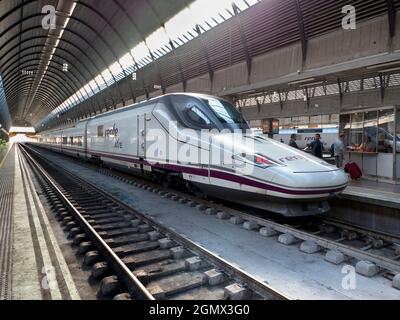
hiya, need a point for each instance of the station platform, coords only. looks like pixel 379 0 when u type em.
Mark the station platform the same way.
pixel 371 192
pixel 32 264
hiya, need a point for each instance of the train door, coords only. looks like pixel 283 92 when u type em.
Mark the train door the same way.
pixel 141 134
pixel 85 138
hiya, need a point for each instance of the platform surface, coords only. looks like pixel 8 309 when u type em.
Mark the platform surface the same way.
pixel 378 193
pixel 6 222
pixel 32 265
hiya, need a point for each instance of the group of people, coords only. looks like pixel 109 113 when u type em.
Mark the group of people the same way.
pixel 317 147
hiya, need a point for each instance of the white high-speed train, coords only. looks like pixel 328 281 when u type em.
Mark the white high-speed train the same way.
pixel 262 173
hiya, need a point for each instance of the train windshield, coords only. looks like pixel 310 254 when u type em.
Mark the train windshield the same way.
pixel 226 113
pixel 199 113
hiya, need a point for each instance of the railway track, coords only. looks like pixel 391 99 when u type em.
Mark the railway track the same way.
pixel 133 256
pixel 372 253
pixel 329 233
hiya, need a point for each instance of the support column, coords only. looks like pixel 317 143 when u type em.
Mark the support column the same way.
pixel 395 140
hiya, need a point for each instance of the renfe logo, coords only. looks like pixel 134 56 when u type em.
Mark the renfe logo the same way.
pixel 292 158
pixel 112 132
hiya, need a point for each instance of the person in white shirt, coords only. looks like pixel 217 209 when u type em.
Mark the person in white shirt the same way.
pixel 339 150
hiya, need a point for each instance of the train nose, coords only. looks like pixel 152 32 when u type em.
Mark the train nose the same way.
pixel 331 180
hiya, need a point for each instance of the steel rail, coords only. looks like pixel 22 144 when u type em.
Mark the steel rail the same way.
pixel 253 283
pixel 136 288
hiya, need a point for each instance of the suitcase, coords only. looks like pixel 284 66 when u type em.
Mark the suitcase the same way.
pixel 353 170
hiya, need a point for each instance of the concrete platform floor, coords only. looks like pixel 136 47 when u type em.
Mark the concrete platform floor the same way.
pixel 299 275
pixel 36 260
pixel 380 193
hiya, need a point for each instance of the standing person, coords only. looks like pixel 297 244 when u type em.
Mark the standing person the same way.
pixel 338 149
pixel 292 141
pixel 317 146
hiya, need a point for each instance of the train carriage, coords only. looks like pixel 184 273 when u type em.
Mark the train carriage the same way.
pixel 252 170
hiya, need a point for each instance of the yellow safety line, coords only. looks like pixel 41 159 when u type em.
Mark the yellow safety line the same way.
pixel 5 157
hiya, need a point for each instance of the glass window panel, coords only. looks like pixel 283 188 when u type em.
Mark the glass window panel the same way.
pixel 345 127
pixel 94 86
pixel 394 80
pixel 325 120
pixel 386 131
pixel 371 83
pixel 99 80
pixel 217 18
pixel 116 69
pixel 300 122
pixel 75 99
pixel 79 95
pixel 241 4
pixel 398 134
pixel 180 23
pixel 370 131
pixel 87 89
pixel 108 78
pixel 261 100
pixel 330 121
pixel 319 91
pixel 275 97
pixel 157 39
pixel 355 85
pixel 211 22
pixel 332 89
pixel 291 95
pixel 140 52
pixel 315 121
pixel 127 61
pixel 285 123
pixel 250 102
pixel 356 130
pixel 204 9
pixel 299 94
pixel 226 14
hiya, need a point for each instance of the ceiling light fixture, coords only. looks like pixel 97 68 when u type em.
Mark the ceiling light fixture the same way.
pixel 388 64
pixel 301 81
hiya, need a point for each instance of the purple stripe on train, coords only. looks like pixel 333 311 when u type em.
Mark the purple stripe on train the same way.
pixel 224 176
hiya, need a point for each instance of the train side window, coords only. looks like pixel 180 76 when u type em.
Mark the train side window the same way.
pixel 78 141
pixel 64 140
pixel 100 131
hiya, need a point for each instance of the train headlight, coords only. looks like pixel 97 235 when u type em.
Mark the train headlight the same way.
pixel 256 159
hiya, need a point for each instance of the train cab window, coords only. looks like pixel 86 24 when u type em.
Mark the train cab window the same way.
pixel 192 113
pixel 196 115
pixel 226 113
